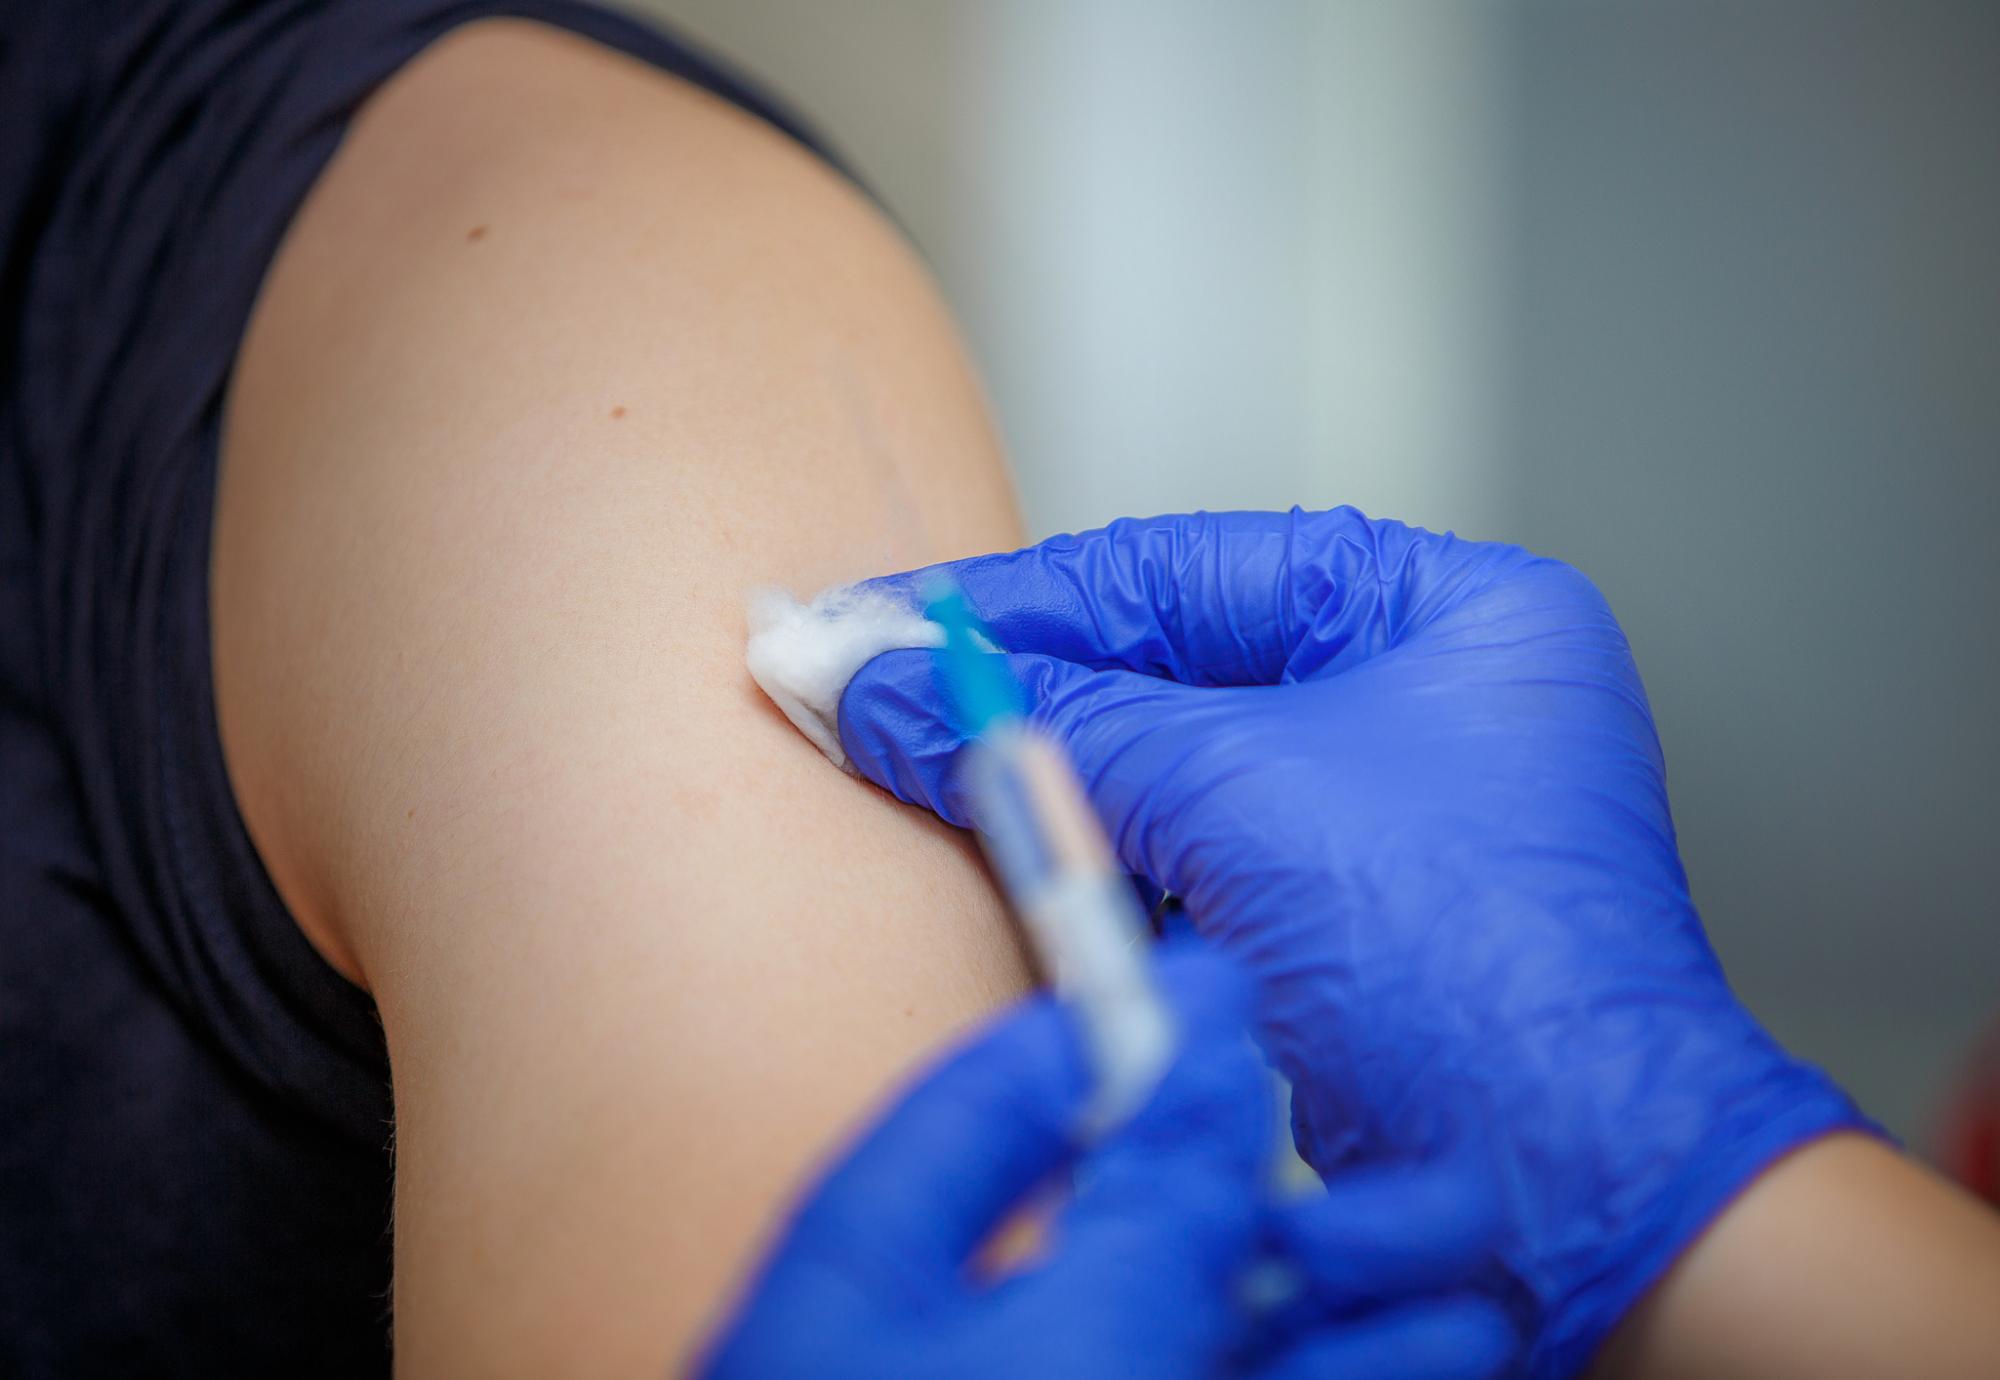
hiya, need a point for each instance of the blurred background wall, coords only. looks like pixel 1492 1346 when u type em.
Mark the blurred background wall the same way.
pixel 1701 296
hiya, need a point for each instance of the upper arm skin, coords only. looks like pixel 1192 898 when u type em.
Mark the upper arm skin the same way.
pixel 559 358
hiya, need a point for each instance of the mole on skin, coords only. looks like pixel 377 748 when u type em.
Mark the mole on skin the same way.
pixel 477 232
pixel 617 412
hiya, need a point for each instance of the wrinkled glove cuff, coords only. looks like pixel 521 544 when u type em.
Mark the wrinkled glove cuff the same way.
pixel 1802 1105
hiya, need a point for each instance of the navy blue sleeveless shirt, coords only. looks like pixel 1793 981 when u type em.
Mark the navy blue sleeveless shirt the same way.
pixel 194 1108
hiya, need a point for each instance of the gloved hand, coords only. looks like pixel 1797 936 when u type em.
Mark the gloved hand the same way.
pixel 871 1278
pixel 1413 782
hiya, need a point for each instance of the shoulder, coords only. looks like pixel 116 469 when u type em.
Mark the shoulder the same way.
pixel 560 355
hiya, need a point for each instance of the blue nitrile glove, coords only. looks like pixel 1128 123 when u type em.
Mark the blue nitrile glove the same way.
pixel 1142 1275
pixel 1414 784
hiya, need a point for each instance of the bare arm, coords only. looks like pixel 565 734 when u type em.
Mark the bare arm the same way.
pixel 1845 1262
pixel 560 357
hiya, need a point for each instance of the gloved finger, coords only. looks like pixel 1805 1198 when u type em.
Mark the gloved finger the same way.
pixel 899 729
pixel 1128 735
pixel 1216 598
pixel 1168 1207
pixel 1461 1338
pixel 940 1169
pixel 1394 1231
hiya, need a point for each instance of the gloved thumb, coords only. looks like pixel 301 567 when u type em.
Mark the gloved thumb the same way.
pixel 1124 731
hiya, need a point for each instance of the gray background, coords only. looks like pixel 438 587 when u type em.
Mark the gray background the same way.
pixel 1701 296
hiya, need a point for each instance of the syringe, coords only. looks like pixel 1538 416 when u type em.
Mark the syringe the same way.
pixel 1080 911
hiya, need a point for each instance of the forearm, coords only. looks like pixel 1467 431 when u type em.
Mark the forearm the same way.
pixel 1846 1261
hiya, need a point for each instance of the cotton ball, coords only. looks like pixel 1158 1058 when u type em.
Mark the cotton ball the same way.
pixel 803 655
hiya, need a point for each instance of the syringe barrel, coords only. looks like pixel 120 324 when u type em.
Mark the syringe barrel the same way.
pixel 1081 913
